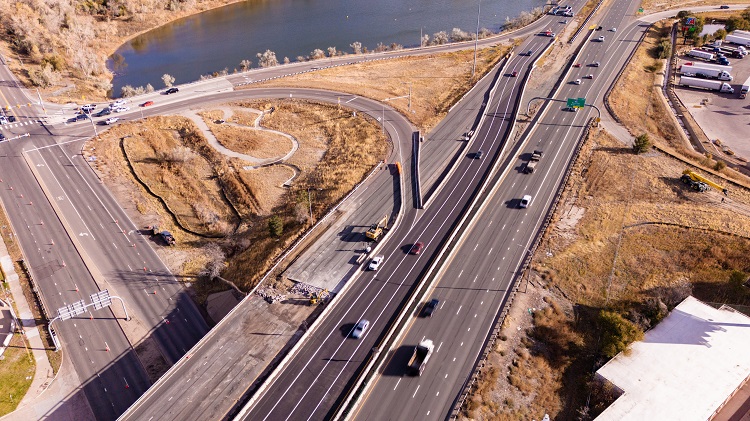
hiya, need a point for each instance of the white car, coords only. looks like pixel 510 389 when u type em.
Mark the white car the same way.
pixel 577 81
pixel 360 328
pixel 375 263
pixel 121 109
pixel 613 30
pixel 88 107
pixel 600 39
pixel 112 120
pixel 117 104
pixel 525 201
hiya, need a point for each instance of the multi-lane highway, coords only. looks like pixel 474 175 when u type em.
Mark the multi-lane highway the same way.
pixel 479 277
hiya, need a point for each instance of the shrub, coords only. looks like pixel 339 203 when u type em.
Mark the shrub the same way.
pixel 617 333
pixel 641 144
pixel 275 226
pixel 719 165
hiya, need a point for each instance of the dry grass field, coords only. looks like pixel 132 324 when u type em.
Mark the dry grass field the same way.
pixel 628 237
pixel 436 81
pixel 247 140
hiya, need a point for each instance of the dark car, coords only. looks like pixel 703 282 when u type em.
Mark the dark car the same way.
pixel 103 112
pixel 430 307
pixel 82 116
pixel 416 248
pixel 514 74
pixel 11 118
pixel 724 6
pixel 2 137
pixel 478 154
pixel 171 91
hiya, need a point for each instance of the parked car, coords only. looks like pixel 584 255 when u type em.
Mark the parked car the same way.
pixel 112 120
pixel 430 307
pixel 147 104
pixel 416 248
pixel 375 263
pixel 360 328
pixel 525 201
pixel 171 91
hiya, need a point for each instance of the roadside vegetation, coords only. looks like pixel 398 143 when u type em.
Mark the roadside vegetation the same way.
pixel 230 220
pixel 627 243
pixel 16 373
pixel 436 82
pixel 651 6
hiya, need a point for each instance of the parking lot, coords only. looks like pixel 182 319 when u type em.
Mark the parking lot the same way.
pixel 722 116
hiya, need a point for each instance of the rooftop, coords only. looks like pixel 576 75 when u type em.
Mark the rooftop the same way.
pixel 685 368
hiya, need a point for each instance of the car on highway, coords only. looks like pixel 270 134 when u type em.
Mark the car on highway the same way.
pixel 600 39
pixel 612 29
pixel 478 154
pixel 82 117
pixel 530 52
pixel 589 76
pixel 723 6
pixel 599 28
pixel 595 64
pixel 2 137
pixel 11 118
pixel 171 91
pixel 572 109
pixel 430 307
pixel 564 21
pixel 112 120
pixel 376 262
pixel 359 328
pixel 3 119
pixel 577 82
pixel 103 112
pixel 147 104
pixel 416 248
pixel 514 74
pixel 121 109
pixel 88 108
pixel 525 201
pixel 577 65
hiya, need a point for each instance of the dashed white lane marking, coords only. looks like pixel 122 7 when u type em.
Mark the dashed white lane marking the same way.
pixel 459 275
pixel 415 391
pixel 489 252
pixel 459 309
pixel 441 344
pixel 399 381
pixel 475 279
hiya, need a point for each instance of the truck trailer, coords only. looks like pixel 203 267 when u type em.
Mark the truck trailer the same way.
pixel 739 40
pixel 698 70
pixel 745 88
pixel 714 85
pixel 705 55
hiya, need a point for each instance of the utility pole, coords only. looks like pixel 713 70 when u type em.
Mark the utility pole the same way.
pixel 476 40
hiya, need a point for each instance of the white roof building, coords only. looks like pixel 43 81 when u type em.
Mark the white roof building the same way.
pixel 685 368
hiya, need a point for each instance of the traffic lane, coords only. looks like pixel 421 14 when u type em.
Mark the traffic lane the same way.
pixel 465 181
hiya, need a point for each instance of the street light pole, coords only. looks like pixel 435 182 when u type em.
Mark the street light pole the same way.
pixel 309 202
pixel 476 39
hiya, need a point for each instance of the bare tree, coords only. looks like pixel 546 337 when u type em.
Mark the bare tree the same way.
pixel 168 80
pixel 440 38
pixel 425 40
pixel 484 33
pixel 317 54
pixel 458 35
pixel 356 47
pixel 267 59
pixel 301 58
pixel 127 91
pixel 286 60
pixel 380 48
pixel 245 64
pixel 395 46
pixel 216 261
pixel 149 88
pixel 331 51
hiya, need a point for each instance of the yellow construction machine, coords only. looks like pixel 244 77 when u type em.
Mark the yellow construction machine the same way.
pixel 699 183
pixel 376 230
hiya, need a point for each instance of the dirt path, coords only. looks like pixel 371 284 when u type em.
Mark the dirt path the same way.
pixel 258 162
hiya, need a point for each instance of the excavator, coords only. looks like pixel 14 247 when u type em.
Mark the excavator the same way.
pixel 376 230
pixel 699 183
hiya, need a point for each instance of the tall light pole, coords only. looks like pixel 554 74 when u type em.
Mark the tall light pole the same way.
pixel 476 40
pixel 408 83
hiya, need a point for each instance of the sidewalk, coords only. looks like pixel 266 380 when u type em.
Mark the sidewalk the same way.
pixel 43 375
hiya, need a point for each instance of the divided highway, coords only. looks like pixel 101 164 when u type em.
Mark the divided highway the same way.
pixel 476 282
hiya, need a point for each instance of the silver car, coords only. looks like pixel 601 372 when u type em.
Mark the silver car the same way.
pixel 360 328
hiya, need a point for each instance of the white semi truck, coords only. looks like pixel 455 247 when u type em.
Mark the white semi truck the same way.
pixel 705 55
pixel 739 40
pixel 745 88
pixel 705 72
pixel 714 85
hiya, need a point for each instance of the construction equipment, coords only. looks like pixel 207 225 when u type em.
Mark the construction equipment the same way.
pixel 376 230
pixel 165 235
pixel 318 297
pixel 699 183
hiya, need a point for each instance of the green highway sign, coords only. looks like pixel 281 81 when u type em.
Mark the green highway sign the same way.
pixel 576 102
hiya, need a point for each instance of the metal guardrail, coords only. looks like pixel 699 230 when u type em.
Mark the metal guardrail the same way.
pixel 583 24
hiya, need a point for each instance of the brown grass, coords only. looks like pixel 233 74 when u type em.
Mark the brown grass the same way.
pixel 550 368
pixel 437 81
pixel 267 183
pixel 16 373
pixel 184 179
pixel 247 140
pixel 658 5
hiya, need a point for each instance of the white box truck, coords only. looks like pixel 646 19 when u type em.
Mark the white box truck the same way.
pixel 705 55
pixel 740 33
pixel 708 66
pixel 696 70
pixel 736 39
pixel 745 87
pixel 714 85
